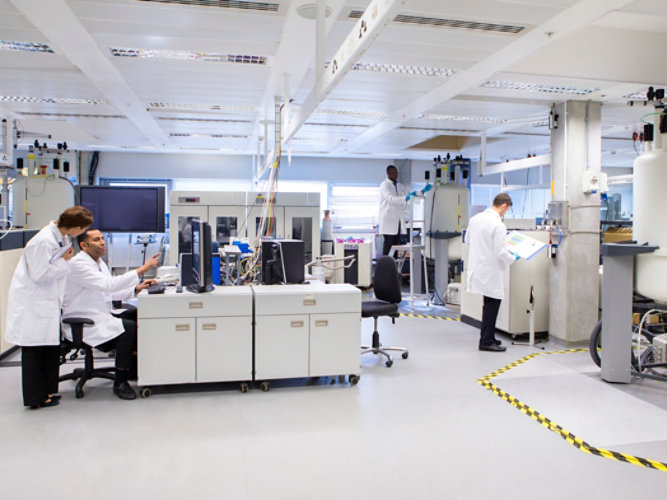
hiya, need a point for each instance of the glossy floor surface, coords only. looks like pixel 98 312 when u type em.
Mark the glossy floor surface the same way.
pixel 424 428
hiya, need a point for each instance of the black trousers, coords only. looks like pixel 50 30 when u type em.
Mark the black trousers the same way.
pixel 126 343
pixel 40 368
pixel 489 316
pixel 389 240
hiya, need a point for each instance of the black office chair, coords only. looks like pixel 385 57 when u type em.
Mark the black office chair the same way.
pixel 88 371
pixel 387 288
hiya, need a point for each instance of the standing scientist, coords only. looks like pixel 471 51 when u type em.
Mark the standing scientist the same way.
pixel 393 200
pixel 33 306
pixel 488 264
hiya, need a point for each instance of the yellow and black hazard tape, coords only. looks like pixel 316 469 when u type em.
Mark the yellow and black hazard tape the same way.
pixel 552 426
pixel 410 315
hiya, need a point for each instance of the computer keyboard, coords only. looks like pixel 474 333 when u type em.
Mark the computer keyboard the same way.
pixel 159 288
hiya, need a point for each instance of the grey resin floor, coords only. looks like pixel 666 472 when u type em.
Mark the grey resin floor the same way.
pixel 423 429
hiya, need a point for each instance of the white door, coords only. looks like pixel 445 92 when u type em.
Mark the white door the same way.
pixel 335 344
pixel 281 346
pixel 224 349
pixel 166 351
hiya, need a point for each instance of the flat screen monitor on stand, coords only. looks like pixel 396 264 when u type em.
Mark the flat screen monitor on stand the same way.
pixel 283 261
pixel 201 258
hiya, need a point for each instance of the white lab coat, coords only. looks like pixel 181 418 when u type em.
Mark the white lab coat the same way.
pixel 489 258
pixel 36 291
pixel 392 206
pixel 89 291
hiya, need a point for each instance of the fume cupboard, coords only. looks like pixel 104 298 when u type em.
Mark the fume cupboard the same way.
pixel 236 214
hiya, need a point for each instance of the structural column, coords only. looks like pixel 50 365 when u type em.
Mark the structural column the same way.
pixel 576 144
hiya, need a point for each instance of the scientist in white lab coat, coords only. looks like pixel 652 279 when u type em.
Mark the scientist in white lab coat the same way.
pixel 33 305
pixel 89 291
pixel 488 264
pixel 393 200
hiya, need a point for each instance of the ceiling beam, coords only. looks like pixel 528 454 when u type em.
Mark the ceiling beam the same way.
pixel 572 19
pixel 375 18
pixel 291 62
pixel 58 23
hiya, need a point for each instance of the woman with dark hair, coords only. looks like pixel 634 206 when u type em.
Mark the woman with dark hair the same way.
pixel 33 306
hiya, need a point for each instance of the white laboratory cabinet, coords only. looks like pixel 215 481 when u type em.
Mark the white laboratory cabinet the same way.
pixel 188 337
pixel 236 214
pixel 306 330
pixel 522 274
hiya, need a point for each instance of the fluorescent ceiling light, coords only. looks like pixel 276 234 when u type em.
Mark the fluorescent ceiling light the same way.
pixel 319 139
pixel 69 115
pixel 369 114
pixel 185 55
pixel 204 149
pixel 191 119
pixel 201 107
pixel 403 69
pixel 208 136
pixel 461 118
pixel 50 100
pixel 537 87
pixel 25 46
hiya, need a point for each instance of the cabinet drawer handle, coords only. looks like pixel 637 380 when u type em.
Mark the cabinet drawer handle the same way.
pixel 182 327
pixel 296 324
pixel 209 326
pixel 196 305
pixel 322 322
pixel 309 302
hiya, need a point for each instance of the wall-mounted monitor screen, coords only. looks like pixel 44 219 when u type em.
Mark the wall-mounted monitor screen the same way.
pixel 125 209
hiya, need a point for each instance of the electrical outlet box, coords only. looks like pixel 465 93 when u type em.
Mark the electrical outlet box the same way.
pixel 660 348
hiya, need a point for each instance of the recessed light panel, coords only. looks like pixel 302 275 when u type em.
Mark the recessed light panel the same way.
pixel 186 55
pixel 25 46
pixel 537 87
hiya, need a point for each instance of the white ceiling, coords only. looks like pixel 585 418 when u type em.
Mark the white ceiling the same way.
pixel 613 48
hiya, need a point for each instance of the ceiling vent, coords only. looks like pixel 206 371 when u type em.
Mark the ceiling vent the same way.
pixel 225 4
pixel 538 87
pixel 25 46
pixel 362 114
pixel 343 125
pixel 462 118
pixel 185 55
pixel 449 23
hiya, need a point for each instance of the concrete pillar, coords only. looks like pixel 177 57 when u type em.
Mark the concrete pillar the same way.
pixel 576 146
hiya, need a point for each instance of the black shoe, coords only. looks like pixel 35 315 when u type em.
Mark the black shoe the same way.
pixel 492 347
pixel 45 404
pixel 55 397
pixel 497 342
pixel 124 391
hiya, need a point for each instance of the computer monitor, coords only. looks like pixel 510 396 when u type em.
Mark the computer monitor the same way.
pixel 283 261
pixel 120 209
pixel 201 257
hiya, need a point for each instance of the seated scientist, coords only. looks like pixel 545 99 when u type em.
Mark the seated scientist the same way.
pixel 89 290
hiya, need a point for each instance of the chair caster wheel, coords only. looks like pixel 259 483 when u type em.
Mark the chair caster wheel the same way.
pixel 353 379
pixel 244 388
pixel 265 386
pixel 78 394
pixel 389 363
pixel 404 355
pixel 145 392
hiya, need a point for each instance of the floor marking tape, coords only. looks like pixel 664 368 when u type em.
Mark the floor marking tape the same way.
pixel 552 426
pixel 410 315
